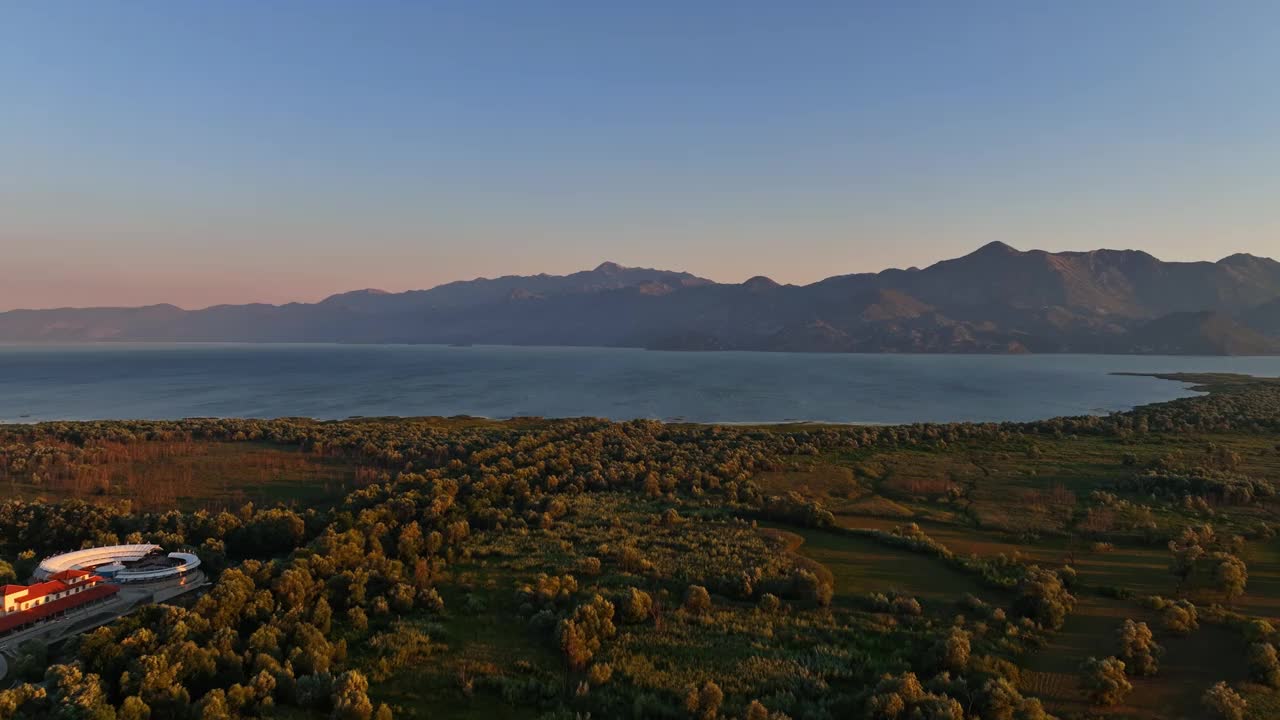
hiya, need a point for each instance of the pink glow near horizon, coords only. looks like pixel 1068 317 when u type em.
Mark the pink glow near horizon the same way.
pixel 48 283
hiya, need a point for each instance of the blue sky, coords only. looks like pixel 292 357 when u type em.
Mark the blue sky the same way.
pixel 198 153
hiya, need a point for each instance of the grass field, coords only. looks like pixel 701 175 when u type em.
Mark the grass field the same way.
pixel 860 566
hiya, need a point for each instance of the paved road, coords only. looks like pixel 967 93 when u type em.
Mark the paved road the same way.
pixel 53 630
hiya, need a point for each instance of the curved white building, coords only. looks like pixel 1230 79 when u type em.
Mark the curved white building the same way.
pixel 121 563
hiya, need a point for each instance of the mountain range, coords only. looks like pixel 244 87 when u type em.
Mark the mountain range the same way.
pixel 996 300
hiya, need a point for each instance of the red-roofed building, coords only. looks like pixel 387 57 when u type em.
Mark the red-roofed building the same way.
pixel 63 590
pixel 19 620
pixel 71 577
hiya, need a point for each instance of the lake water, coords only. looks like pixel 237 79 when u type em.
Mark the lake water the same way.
pixel 76 382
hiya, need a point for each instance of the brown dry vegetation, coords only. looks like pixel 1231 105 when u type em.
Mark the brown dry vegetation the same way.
pixel 186 474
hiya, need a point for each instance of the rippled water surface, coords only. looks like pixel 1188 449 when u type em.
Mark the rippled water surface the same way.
pixel 53 382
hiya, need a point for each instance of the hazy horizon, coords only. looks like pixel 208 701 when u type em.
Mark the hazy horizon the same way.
pixel 588 267
pixel 248 152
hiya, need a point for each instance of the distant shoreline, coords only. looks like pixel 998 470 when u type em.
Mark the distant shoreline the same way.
pixel 105 343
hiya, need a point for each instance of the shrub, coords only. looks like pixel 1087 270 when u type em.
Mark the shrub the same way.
pixel 697 599
pixel 906 605
pixel 429 599
pixel 1180 617
pixel 1070 579
pixel 757 711
pixel 879 602
pixel 1223 703
pixel 812 589
pixel 599 674
pixel 404 645
pixel 1138 648
pixel 795 508
pixel 1264 667
pixel 637 606
pixel 893 695
pixel 938 707
pixel 1104 681
pixel 589 566
pixel 548 591
pixel 1221 486
pixel 350 697
pixel 133 708
pixel 1229 575
pixel 975 604
pixel 704 702
pixel 999 699
pixel 740 586
pixel 401 597
pixel 1043 598
pixel 581 635
pixel 631 560
pixel 903 697
pixel 951 652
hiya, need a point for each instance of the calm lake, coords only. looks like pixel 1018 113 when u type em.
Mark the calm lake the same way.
pixel 96 381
